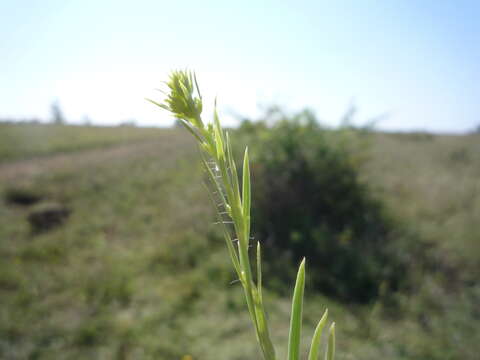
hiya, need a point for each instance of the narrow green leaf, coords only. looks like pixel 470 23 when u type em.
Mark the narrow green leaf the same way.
pixel 296 316
pixel 216 183
pixel 236 211
pixel 191 129
pixel 246 196
pixel 228 239
pixel 234 175
pixel 231 251
pixel 186 93
pixel 330 353
pixel 216 121
pixel 158 104
pixel 248 290
pixel 236 184
pixel 317 336
pixel 196 85
pixel 262 326
pixel 219 143
pixel 259 272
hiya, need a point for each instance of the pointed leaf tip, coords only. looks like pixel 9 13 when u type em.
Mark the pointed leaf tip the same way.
pixel 296 316
pixel 317 336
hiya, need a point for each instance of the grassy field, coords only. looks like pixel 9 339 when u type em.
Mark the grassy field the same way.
pixel 18 141
pixel 138 270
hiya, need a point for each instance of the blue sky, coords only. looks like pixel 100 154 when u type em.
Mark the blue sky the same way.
pixel 417 61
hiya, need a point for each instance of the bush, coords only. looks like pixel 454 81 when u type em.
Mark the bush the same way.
pixel 309 201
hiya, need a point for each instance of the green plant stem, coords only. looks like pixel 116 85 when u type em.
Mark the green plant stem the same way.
pixel 185 103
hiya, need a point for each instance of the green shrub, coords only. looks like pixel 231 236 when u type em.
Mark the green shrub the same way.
pixel 309 201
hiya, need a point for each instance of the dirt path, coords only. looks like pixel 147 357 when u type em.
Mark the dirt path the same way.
pixel 25 169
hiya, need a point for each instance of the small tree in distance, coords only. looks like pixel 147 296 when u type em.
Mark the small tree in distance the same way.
pixel 57 114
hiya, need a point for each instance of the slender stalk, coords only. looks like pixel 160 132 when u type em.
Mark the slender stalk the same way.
pixel 184 102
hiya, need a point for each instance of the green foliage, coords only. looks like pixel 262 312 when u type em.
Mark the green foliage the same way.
pixel 310 201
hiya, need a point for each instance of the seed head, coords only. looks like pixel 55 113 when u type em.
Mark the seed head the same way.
pixel 184 100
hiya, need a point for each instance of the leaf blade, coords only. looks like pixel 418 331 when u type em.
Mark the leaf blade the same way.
pixel 330 353
pixel 296 315
pixel 259 272
pixel 246 192
pixel 317 336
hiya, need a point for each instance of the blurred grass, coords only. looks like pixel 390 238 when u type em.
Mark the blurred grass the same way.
pixel 432 182
pixel 139 272
pixel 19 140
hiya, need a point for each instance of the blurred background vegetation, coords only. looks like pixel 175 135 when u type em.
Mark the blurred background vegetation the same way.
pixel 109 249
